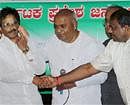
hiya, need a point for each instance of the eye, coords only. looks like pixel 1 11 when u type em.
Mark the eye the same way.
pixel 5 25
pixel 15 22
pixel 62 26
pixel 9 24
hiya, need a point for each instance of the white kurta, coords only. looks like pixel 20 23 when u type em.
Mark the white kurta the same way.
pixel 117 55
pixel 16 73
pixel 68 56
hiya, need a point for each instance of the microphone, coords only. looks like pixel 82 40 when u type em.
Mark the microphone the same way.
pixel 62 72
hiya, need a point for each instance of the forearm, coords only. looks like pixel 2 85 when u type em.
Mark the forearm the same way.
pixel 81 72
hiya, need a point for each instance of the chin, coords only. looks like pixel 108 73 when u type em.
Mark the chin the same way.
pixel 115 40
pixel 11 36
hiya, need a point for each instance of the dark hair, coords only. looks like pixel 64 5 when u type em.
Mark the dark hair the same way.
pixel 112 8
pixel 115 7
pixel 122 16
pixel 9 11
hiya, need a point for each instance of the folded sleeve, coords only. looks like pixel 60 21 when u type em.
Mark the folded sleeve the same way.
pixel 103 62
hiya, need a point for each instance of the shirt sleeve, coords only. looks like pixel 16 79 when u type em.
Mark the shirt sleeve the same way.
pixel 103 62
pixel 93 80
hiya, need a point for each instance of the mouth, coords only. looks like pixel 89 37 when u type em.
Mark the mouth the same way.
pixel 113 37
pixel 59 35
pixel 12 34
pixel 15 32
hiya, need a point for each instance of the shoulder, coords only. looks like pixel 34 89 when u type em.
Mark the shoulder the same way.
pixel 36 43
pixel 90 41
pixel 51 42
pixel 88 38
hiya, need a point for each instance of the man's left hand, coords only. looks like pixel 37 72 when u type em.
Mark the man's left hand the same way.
pixel 66 86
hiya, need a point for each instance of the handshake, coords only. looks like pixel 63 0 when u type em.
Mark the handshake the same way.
pixel 51 82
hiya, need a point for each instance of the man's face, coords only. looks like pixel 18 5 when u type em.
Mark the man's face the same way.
pixel 107 21
pixel 10 26
pixel 64 28
pixel 118 33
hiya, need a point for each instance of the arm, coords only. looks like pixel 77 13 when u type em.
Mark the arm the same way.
pixel 96 79
pixel 81 72
pixel 103 62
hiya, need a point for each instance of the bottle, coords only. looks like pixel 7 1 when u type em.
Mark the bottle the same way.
pixel 48 69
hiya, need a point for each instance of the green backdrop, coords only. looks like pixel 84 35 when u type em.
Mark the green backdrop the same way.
pixel 37 17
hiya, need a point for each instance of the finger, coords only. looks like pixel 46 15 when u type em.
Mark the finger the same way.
pixel 23 32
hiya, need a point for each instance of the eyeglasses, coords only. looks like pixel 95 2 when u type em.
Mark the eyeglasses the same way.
pixel 10 24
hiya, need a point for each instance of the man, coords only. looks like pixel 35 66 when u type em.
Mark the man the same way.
pixel 116 55
pixel 110 90
pixel 66 50
pixel 19 62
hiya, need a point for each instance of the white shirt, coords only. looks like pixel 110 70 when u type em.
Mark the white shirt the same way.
pixel 16 74
pixel 68 56
pixel 117 55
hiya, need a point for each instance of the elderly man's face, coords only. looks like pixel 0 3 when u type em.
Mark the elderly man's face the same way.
pixel 10 26
pixel 64 28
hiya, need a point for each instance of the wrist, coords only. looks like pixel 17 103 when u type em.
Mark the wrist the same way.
pixel 58 80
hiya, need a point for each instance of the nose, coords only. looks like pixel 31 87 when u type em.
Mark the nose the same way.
pixel 12 27
pixel 58 30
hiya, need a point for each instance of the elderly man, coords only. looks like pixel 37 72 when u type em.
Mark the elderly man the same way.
pixel 68 49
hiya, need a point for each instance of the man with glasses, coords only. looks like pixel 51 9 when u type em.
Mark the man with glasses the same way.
pixel 19 62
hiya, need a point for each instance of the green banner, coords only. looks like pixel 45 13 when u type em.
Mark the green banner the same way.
pixel 37 17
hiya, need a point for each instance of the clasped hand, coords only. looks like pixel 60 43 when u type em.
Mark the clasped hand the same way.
pixel 44 81
pixel 50 82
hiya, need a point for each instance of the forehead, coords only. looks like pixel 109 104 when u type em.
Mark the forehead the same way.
pixel 62 19
pixel 114 22
pixel 8 18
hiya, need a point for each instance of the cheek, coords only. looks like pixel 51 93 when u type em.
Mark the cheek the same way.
pixel 4 31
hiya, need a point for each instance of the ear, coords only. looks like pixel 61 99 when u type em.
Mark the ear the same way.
pixel 75 24
pixel 126 28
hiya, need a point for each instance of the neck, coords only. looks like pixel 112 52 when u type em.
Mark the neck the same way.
pixel 15 39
